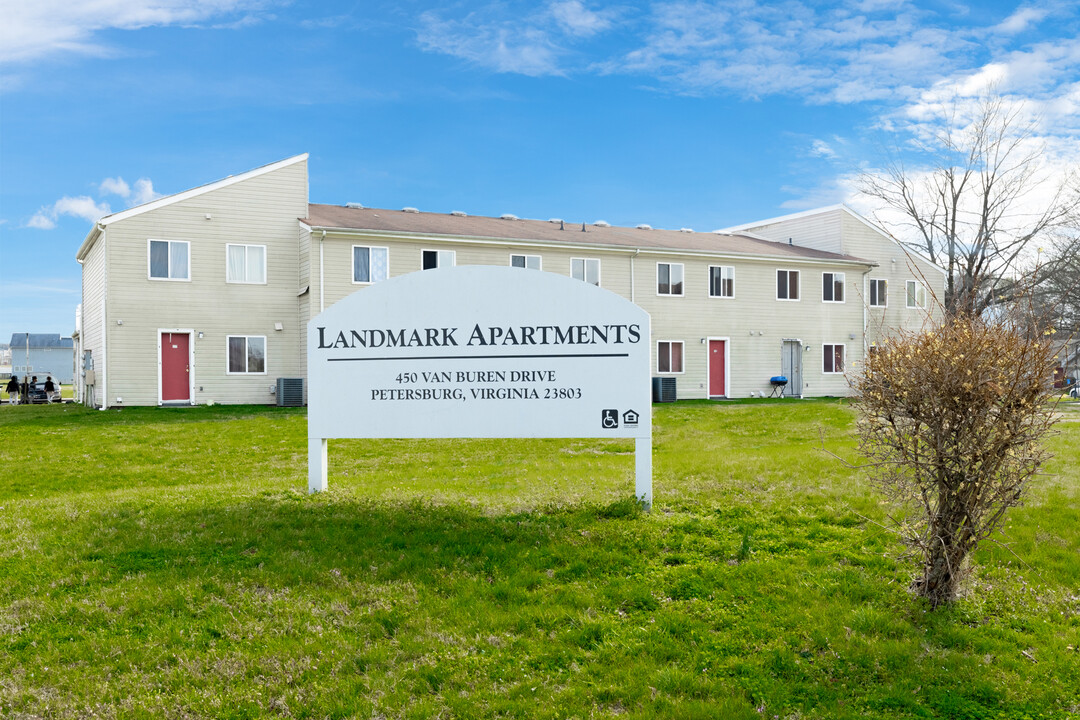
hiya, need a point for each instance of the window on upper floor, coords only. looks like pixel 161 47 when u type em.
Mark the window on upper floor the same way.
pixel 669 278
pixel 721 281
pixel 879 292
pixel 245 264
pixel 168 259
pixel 531 262
pixel 438 258
pixel 247 354
pixel 832 359
pixel 370 264
pixel 669 356
pixel 787 284
pixel 832 287
pixel 587 269
pixel 916 294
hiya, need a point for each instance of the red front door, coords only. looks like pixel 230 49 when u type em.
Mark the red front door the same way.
pixel 175 368
pixel 717 368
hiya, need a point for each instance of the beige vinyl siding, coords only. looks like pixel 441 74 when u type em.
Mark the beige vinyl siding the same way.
pixel 93 294
pixel 754 322
pixel 897 267
pixel 262 210
pixel 405 256
pixel 821 231
pixel 838 230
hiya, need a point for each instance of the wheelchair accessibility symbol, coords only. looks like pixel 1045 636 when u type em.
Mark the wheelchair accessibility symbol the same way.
pixel 609 419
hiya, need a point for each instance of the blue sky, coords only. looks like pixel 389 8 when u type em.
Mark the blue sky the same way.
pixel 682 114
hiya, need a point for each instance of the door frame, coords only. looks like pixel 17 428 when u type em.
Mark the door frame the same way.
pixel 191 363
pixel 727 367
pixel 802 365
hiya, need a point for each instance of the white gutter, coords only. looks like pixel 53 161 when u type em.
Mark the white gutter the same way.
pixel 104 325
pixel 865 311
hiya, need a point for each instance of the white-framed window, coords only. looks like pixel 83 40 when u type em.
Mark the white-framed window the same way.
pixel 531 262
pixel 669 356
pixel 832 359
pixel 669 278
pixel 832 287
pixel 168 260
pixel 916 294
pixel 438 258
pixel 721 281
pixel 587 269
pixel 370 264
pixel 787 284
pixel 245 264
pixel 246 354
pixel 879 292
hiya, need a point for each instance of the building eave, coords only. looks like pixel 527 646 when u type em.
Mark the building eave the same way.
pixel 88 242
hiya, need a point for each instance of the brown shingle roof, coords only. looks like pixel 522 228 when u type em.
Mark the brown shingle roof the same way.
pixel 336 217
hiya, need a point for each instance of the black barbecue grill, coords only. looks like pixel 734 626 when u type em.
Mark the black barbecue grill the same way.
pixel 778 382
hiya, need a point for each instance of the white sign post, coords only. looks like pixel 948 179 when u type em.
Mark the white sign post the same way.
pixel 480 352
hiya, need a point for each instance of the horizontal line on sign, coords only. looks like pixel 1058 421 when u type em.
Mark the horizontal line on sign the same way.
pixel 480 357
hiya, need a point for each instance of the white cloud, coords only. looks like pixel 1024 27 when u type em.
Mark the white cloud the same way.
pixel 829 191
pixel 141 192
pixel 494 44
pixel 81 207
pixel 34 30
pixel 1022 19
pixel 512 38
pixel 42 220
pixel 848 51
pixel 576 19
pixel 826 54
pixel 820 148
pixel 114 186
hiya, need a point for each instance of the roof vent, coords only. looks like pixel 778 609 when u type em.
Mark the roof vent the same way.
pixel 409 210
pixel 509 216
pixel 688 230
pixel 459 213
pixel 602 223
pixel 354 206
pixel 554 220
pixel 644 226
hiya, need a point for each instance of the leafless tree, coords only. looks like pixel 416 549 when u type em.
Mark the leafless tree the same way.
pixel 974 209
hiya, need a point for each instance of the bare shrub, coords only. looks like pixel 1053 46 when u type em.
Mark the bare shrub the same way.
pixel 953 420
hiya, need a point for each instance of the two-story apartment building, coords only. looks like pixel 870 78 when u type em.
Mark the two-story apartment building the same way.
pixel 204 296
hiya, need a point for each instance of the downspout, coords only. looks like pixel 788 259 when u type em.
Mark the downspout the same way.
pixel 866 311
pixel 322 296
pixel 104 325
pixel 638 252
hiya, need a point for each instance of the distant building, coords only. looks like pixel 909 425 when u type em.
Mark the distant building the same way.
pixel 43 354
pixel 204 296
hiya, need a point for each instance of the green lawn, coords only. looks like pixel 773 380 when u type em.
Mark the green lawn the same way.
pixel 169 564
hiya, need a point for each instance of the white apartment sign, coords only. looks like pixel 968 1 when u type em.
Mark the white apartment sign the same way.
pixel 481 352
